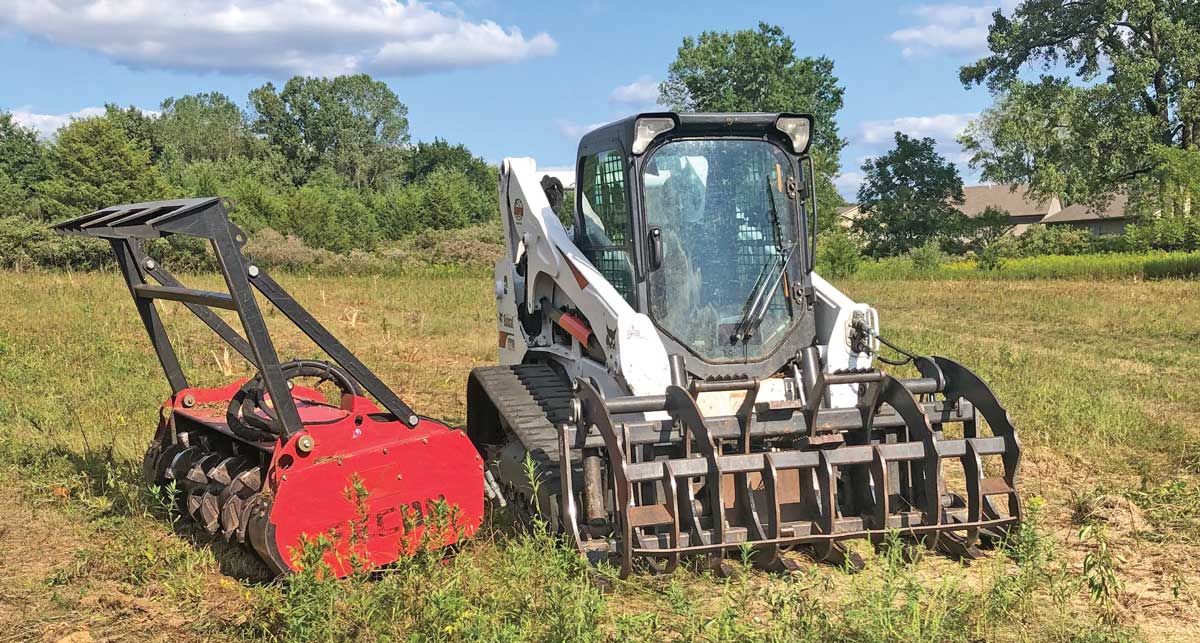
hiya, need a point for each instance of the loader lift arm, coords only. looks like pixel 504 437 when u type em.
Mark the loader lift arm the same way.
pixel 125 227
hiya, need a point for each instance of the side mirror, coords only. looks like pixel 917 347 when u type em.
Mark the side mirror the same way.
pixel 655 248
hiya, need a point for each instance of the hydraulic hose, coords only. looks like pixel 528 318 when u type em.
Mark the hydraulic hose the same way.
pixel 251 418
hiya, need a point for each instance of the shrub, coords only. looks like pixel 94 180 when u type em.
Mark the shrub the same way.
pixel 991 256
pixel 1173 233
pixel 926 257
pixel 328 215
pixel 837 255
pixel 25 244
pixel 273 250
pixel 1054 240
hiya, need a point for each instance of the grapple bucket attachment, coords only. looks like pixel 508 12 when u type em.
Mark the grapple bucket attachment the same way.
pixel 271 463
pixel 910 459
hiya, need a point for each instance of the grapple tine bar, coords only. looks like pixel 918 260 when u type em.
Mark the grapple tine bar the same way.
pixel 961 383
pixel 928 484
pixel 670 497
pixel 682 407
pixel 596 412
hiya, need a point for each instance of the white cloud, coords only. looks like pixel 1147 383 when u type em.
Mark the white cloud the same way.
pixel 277 37
pixel 847 184
pixel 641 92
pixel 952 27
pixel 873 138
pixel 47 124
pixel 574 131
pixel 943 127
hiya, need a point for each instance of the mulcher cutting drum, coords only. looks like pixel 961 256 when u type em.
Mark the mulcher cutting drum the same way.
pixel 376 489
pixel 266 461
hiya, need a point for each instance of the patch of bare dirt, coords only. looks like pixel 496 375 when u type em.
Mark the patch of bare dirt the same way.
pixel 39 543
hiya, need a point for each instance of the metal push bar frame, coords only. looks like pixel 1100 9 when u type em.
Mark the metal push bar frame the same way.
pixel 125 227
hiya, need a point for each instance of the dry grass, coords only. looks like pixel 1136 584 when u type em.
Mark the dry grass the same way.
pixel 1100 378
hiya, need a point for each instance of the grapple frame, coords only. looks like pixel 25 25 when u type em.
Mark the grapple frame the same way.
pixel 863 472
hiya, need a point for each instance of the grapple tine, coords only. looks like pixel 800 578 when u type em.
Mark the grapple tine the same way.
pixel 671 498
pixel 595 413
pixel 961 383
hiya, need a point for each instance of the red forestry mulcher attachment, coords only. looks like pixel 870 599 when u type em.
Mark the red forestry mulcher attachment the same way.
pixel 267 461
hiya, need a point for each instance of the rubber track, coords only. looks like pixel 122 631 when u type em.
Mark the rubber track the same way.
pixel 533 399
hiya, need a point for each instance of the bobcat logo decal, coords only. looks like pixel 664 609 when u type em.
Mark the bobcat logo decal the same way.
pixel 610 339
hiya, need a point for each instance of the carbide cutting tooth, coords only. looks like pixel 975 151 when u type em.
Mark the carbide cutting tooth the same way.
pixel 223 472
pixel 196 475
pixel 160 467
pixel 246 483
pixel 248 508
pixel 193 502
pixel 208 512
pixel 177 467
pixel 231 516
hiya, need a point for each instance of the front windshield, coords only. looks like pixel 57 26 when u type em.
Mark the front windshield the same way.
pixel 725 219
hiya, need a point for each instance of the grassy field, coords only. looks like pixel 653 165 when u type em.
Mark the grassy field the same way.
pixel 1100 377
pixel 1149 265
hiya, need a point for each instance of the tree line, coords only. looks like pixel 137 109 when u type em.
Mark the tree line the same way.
pixel 328 160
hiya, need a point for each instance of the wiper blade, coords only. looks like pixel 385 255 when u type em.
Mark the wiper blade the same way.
pixel 760 297
pixel 768 279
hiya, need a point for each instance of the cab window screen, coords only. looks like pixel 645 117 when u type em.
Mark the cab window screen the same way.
pixel 605 221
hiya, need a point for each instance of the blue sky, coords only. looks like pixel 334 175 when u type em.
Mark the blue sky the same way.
pixel 505 78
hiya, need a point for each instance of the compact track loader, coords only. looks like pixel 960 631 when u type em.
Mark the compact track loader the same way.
pixel 269 462
pixel 683 383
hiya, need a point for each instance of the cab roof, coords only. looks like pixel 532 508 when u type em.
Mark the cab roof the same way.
pixel 686 124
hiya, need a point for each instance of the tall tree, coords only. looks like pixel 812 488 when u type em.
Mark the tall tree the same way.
pixel 428 157
pixel 353 124
pixel 907 198
pixel 202 127
pixel 94 165
pixel 759 71
pixel 22 156
pixel 137 126
pixel 1135 66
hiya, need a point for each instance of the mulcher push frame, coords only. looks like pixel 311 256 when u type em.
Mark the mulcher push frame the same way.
pixel 125 227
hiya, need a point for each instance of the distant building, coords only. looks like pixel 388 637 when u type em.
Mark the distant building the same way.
pixel 1024 211
pixel 566 175
pixel 1109 220
pixel 847 214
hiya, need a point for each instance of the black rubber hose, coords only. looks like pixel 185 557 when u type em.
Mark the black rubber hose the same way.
pixel 243 416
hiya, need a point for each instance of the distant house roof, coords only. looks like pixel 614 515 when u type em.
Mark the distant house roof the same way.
pixel 1010 198
pixel 1079 212
pixel 847 214
pixel 566 175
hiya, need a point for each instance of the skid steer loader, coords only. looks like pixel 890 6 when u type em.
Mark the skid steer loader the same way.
pixel 682 383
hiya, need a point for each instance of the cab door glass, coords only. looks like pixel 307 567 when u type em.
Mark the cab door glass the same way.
pixel 605 221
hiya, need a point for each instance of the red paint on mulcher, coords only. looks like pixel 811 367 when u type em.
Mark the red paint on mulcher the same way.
pixel 422 484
